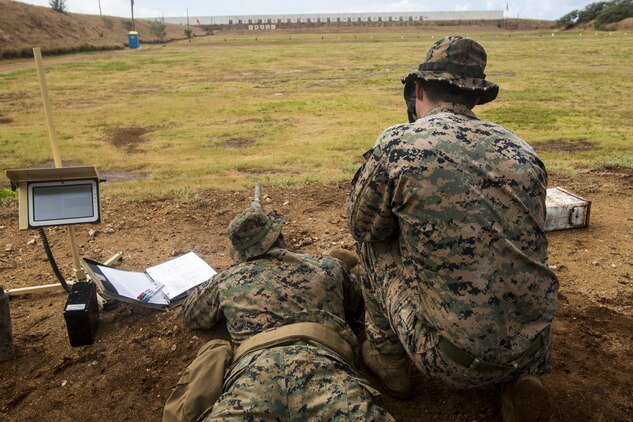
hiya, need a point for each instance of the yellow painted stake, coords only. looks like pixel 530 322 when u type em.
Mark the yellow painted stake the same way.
pixel 80 275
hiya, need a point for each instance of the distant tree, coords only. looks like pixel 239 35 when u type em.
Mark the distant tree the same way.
pixel 58 5
pixel 601 13
pixel 188 33
pixel 158 28
pixel 568 21
pixel 616 12
pixel 591 11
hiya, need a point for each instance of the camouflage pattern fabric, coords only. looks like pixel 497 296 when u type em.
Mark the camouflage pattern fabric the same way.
pixel 459 61
pixel 449 214
pixel 295 382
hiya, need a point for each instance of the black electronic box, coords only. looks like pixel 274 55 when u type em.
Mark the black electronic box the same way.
pixel 81 313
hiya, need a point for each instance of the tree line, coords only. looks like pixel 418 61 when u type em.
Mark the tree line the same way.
pixel 603 14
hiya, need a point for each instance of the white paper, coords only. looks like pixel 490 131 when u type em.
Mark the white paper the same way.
pixel 130 284
pixel 181 274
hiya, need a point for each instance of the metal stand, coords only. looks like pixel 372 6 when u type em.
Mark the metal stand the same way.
pixel 78 272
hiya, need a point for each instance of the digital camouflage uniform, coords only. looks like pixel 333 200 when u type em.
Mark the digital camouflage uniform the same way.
pixel 293 382
pixel 449 214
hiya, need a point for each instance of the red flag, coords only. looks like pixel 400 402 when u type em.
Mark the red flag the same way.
pixel 198 22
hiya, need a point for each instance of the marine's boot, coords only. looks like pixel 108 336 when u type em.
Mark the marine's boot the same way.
pixel 349 258
pixel 525 400
pixel 392 371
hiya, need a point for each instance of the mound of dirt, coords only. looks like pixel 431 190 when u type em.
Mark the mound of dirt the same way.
pixel 23 26
pixel 625 25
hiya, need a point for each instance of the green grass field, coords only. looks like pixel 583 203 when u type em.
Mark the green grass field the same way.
pixel 288 110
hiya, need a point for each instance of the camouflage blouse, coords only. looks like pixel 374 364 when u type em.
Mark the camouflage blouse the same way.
pixel 278 288
pixel 464 201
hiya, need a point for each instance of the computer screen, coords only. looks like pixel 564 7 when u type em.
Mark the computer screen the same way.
pixel 63 202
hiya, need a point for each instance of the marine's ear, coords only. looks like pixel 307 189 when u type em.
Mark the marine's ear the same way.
pixel 419 92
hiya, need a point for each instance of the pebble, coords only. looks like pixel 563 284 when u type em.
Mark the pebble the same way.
pixel 64 382
pixel 595 263
pixel 8 248
pixel 31 242
pixel 285 203
pixel 173 348
pixel 92 233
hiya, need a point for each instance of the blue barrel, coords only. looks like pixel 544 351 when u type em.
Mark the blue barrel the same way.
pixel 132 37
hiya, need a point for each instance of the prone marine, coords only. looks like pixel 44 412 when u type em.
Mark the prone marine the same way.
pixel 294 357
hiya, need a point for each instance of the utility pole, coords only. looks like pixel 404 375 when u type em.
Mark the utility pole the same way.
pixel 187 19
pixel 100 14
pixel 133 26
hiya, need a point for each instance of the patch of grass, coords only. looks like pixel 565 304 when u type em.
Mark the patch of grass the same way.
pixel 303 110
pixel 7 194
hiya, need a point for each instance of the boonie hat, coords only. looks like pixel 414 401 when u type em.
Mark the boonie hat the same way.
pixel 252 233
pixel 459 61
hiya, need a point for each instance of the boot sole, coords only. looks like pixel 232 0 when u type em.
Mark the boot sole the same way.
pixel 395 394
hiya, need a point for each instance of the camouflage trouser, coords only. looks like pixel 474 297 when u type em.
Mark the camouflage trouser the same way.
pixel 394 325
pixel 296 382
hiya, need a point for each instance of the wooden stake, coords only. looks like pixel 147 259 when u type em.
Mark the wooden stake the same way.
pixel 57 156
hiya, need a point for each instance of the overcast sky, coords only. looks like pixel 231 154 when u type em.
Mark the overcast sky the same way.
pixel 535 9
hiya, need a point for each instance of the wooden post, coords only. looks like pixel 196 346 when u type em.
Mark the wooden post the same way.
pixel 57 157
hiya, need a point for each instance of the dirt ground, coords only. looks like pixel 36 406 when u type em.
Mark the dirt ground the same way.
pixel 138 354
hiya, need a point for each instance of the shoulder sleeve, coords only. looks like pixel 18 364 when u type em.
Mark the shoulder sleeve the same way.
pixel 369 205
pixel 201 310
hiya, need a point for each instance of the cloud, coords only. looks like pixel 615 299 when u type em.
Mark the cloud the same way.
pixel 537 9
pixel 462 7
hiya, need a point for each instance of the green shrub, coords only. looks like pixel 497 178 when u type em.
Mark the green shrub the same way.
pixel 6 193
pixel 158 28
pixel 58 5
